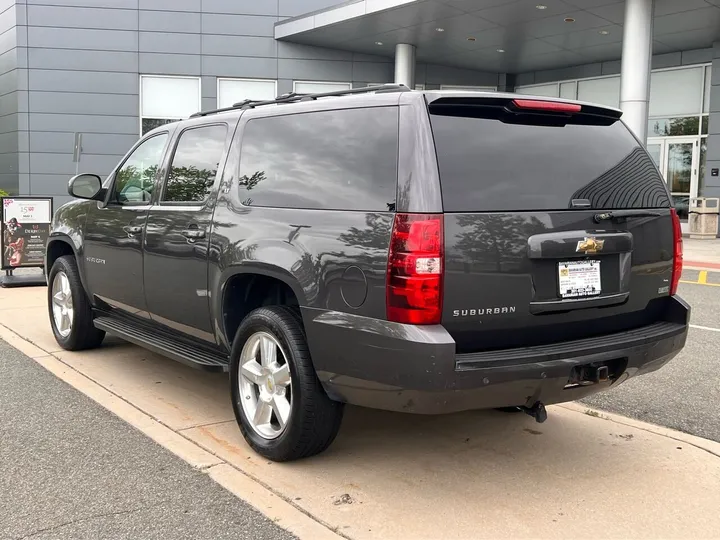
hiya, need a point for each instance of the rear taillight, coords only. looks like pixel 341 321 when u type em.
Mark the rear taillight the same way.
pixel 677 252
pixel 415 269
pixel 551 106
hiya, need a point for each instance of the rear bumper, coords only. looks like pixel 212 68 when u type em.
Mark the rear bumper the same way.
pixel 406 368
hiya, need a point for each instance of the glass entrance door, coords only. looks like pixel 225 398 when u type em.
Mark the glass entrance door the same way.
pixel 678 159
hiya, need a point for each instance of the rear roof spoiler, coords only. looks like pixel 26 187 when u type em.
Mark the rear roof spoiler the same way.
pixel 518 103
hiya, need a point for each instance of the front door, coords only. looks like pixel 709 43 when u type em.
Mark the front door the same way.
pixel 114 231
pixel 678 159
pixel 178 233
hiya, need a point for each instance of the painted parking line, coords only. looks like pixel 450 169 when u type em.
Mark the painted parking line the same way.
pixel 709 328
pixel 701 280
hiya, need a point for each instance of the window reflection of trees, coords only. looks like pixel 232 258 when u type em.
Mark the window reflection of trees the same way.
pixel 189 183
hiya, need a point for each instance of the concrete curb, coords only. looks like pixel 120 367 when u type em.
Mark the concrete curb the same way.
pixel 709 446
pixel 280 511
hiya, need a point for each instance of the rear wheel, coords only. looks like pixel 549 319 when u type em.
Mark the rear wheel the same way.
pixel 280 405
pixel 69 308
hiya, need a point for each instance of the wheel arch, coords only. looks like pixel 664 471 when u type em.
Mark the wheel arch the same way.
pixel 248 287
pixel 59 245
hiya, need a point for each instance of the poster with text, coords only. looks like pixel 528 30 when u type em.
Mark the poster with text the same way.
pixel 25 231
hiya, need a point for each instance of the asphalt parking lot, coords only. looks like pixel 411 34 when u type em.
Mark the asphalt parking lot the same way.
pixel 685 394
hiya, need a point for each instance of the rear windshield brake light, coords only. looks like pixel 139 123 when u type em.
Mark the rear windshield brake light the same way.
pixel 551 106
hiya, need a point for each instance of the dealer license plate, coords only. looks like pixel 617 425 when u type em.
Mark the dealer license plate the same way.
pixel 579 278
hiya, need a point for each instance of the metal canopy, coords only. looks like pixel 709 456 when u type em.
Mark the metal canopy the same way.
pixel 473 34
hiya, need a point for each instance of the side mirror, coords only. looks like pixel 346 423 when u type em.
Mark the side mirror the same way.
pixel 85 186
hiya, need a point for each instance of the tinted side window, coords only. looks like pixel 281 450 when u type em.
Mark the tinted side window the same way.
pixel 335 160
pixel 195 164
pixel 135 180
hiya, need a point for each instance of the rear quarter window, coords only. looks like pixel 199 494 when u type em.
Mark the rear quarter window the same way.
pixel 489 165
pixel 335 160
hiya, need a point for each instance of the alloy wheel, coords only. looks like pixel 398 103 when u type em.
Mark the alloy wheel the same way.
pixel 265 385
pixel 62 304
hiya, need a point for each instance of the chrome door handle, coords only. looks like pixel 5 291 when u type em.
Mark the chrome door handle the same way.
pixel 193 234
pixel 132 229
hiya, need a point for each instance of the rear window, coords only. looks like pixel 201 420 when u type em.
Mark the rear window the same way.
pixel 490 165
pixel 332 160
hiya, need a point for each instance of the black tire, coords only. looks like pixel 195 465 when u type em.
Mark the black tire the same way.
pixel 83 334
pixel 314 418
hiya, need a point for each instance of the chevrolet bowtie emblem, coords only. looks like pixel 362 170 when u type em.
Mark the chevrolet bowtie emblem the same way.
pixel 590 245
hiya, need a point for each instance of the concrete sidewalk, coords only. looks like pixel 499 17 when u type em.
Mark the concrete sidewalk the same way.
pixel 71 469
pixel 701 253
pixel 471 475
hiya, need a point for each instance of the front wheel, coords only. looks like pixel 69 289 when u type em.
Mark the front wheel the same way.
pixel 280 405
pixel 69 308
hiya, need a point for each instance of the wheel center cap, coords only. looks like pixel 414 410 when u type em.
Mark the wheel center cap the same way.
pixel 270 385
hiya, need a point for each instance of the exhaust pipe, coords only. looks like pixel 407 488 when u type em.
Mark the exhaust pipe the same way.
pixel 537 411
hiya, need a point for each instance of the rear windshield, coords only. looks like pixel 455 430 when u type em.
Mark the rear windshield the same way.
pixel 490 165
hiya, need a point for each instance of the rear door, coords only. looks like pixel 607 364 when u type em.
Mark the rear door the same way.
pixel 531 255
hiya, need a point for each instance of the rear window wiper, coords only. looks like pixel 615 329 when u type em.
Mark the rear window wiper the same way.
pixel 619 214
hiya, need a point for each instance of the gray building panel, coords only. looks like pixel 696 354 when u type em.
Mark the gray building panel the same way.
pixel 240 7
pixel 223 45
pixel 314 70
pixel 77 17
pixel 293 8
pixel 9 100
pixel 697 56
pixel 246 67
pixel 209 87
pixel 62 164
pixel 209 103
pixel 194 6
pixel 170 42
pixel 9 142
pixel 373 72
pixel 660 61
pixel 100 82
pixel 177 64
pixel 84 103
pixel 308 52
pixel 93 143
pixel 238 25
pixel 10 104
pixel 72 38
pixel 284 86
pixel 8 61
pixel 82 60
pixel 85 123
pixel 120 4
pixel 9 125
pixel 173 43
pixel 170 21
pixel 436 74
pixel 9 183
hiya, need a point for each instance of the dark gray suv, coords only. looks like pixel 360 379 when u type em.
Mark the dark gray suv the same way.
pixel 425 252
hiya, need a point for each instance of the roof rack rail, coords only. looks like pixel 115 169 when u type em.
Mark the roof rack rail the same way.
pixel 293 97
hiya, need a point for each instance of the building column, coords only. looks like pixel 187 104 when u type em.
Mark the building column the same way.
pixel 636 65
pixel 405 64
pixel 711 183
